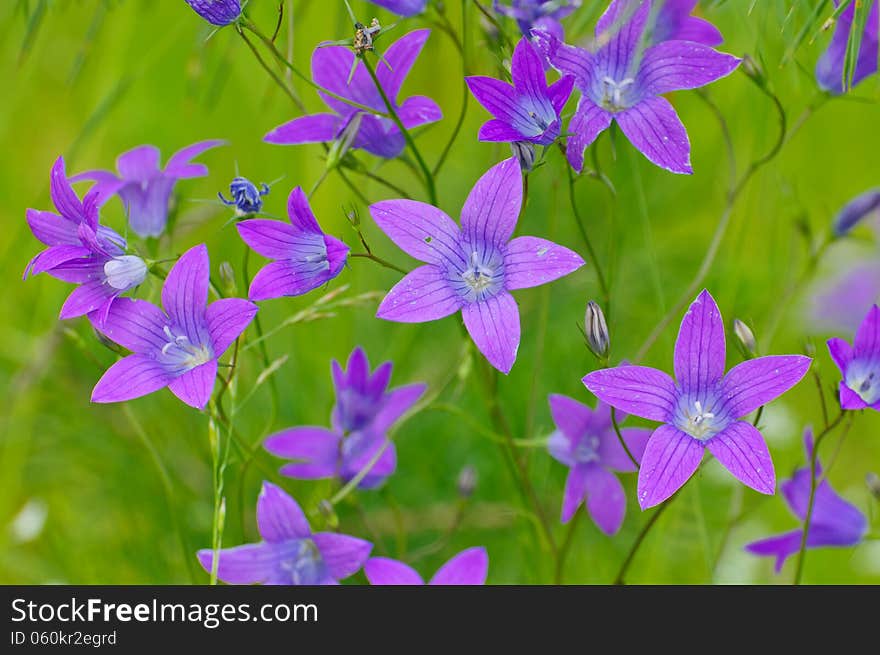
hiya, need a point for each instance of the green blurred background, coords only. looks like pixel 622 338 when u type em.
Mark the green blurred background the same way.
pixel 81 496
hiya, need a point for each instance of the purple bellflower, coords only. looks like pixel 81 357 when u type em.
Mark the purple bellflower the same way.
pixel 469 567
pixel 82 251
pixel 834 521
pixel 538 14
pixel 289 553
pixel 405 8
pixel 473 268
pixel 177 348
pixel 364 412
pixel 701 408
pixel 217 12
pixel 527 110
pixel 144 188
pixel 860 364
pixel 673 22
pixel 829 68
pixel 621 82
pixel 304 257
pixel 331 69
pixel 247 197
pixel 585 441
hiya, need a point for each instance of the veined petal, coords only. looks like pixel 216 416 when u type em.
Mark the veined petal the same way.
pixel 498 98
pixel 317 450
pixel 331 69
pixel 380 137
pixel 675 65
pixel 398 59
pixel 670 459
pixel 343 555
pixel 278 239
pixel 63 196
pixel 530 261
pixel 131 377
pixel 493 324
pixel 700 350
pixel 135 324
pixel 575 491
pixel 52 229
pixel 419 110
pixel 387 571
pixel 179 165
pixel 560 91
pixel 527 71
pixel 315 128
pixel 288 278
pixel 420 230
pixel 87 298
pixel 185 292
pixel 497 130
pixel 248 564
pixel 654 128
pixel 741 450
pixel 226 319
pixel 492 207
pixel 469 567
pixel 606 500
pixel 841 353
pixel 588 122
pixel 57 256
pixel 422 295
pixel 756 382
pixel 279 516
pixel 567 59
pixel 619 34
pixel 637 390
pixel 194 387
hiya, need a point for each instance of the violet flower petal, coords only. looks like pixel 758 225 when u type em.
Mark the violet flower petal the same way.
pixel 131 377
pixel 317 450
pixel 741 449
pixel 756 382
pixel 494 325
pixel 670 459
pixel 314 128
pixel 279 516
pixel 606 500
pixel 195 386
pixel 343 555
pixel 654 128
pixel 637 390
pixel 469 567
pixel 530 262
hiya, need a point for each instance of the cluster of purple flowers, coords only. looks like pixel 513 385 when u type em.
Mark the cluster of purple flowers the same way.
pixel 641 51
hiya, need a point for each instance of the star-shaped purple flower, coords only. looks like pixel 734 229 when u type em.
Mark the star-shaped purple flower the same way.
pixel 834 521
pixel 469 567
pixel 290 553
pixel 305 257
pixel 332 69
pixel 623 83
pixel 217 12
pixel 673 22
pixel 405 8
pixel 829 68
pixel 474 268
pixel 585 441
pixel 81 250
pixel 538 14
pixel 177 348
pixel 860 364
pixel 701 408
pixel 527 110
pixel 144 188
pixel 364 412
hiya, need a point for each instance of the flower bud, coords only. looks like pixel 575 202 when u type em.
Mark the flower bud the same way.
pixel 855 211
pixel 745 339
pixel 524 153
pixel 467 482
pixel 873 482
pixel 325 508
pixel 343 142
pixel 596 331
pixel 125 272
pixel 227 279
pixel 753 69
pixel 217 12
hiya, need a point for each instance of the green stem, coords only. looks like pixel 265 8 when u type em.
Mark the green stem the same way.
pixel 465 92
pixel 621 439
pixel 619 580
pixel 278 81
pixel 380 261
pixel 563 550
pixel 603 285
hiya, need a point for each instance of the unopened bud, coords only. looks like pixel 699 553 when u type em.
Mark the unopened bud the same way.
pixel 745 339
pixel 343 142
pixel 227 279
pixel 855 211
pixel 104 341
pixel 754 70
pixel 524 153
pixel 326 510
pixel 596 331
pixel 873 482
pixel 467 482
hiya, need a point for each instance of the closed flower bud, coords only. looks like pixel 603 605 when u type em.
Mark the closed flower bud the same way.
pixel 596 331
pixel 343 142
pixel 873 482
pixel 227 279
pixel 855 211
pixel 754 70
pixel 745 339
pixel 524 153
pixel 467 482
pixel 326 510
pixel 217 12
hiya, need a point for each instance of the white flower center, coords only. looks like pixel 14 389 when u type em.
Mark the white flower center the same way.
pixel 613 93
pixel 865 381
pixel 183 353
pixel 700 422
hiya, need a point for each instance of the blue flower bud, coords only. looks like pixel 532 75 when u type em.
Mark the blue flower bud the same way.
pixel 217 12
pixel 125 272
pixel 246 197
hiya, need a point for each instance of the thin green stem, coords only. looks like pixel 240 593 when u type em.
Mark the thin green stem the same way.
pixel 603 285
pixel 621 574
pixel 565 547
pixel 465 92
pixel 380 261
pixel 621 439
pixel 275 78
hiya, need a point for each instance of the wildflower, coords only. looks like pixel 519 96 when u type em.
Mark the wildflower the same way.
pixel 304 257
pixel 289 553
pixel 701 408
pixel 745 339
pixel 596 330
pixel 144 188
pixel 332 69
pixel 528 110
pixel 620 82
pixel 469 567
pixel 855 211
pixel 217 12
pixel 586 442
pixel 860 364
pixel 673 22
pixel 829 68
pixel 537 14
pixel 364 412
pixel 177 348
pixel 473 268
pixel 246 197
pixel 82 251
pixel 833 522
pixel 405 8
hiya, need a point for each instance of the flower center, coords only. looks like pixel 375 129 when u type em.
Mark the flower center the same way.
pixel 305 564
pixel 613 94
pixel 699 421
pixel 181 353
pixel 864 379
pixel 125 272
pixel 484 276
pixel 587 450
